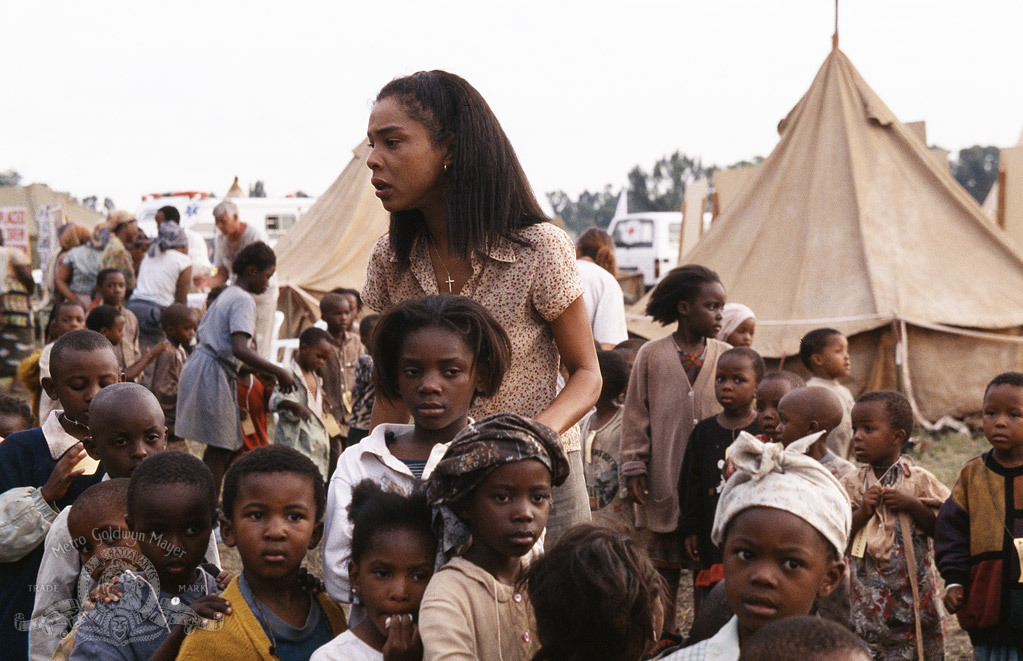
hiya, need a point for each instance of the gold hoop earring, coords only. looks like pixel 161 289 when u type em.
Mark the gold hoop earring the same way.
pixel 445 167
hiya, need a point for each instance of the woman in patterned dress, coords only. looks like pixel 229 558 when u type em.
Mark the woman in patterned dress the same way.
pixel 464 221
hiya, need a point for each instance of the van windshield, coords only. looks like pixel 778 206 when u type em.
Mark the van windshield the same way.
pixel 634 233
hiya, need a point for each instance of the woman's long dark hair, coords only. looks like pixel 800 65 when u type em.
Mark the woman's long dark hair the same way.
pixel 488 196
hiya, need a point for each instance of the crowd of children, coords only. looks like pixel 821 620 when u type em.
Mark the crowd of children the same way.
pixel 700 464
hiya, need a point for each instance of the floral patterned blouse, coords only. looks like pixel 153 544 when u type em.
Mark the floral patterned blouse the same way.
pixel 524 286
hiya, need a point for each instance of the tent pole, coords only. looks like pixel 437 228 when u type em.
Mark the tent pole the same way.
pixel 834 37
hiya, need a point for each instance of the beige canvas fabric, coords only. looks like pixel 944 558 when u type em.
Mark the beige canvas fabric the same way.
pixel 851 223
pixel 330 246
pixel 729 184
pixel 692 216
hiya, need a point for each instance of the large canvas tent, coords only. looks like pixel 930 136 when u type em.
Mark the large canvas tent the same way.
pixel 329 246
pixel 852 223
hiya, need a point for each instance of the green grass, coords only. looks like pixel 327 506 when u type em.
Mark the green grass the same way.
pixel 945 454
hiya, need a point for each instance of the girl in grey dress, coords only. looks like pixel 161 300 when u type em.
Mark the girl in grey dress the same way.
pixel 207 409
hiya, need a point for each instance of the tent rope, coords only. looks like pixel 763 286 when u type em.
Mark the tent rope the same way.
pixel 902 362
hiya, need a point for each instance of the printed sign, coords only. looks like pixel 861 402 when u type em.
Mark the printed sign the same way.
pixel 14 227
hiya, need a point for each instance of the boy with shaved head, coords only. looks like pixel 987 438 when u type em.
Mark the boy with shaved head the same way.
pixel 127 426
pixel 805 411
pixel 42 471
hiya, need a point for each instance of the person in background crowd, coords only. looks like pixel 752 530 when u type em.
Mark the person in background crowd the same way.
pixel 738 323
pixel 124 230
pixel 164 278
pixel 71 236
pixel 198 251
pixel 605 303
pixel 16 306
pixel 233 236
pixel 75 277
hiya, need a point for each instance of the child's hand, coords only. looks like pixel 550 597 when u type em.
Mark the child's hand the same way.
pixel 285 381
pixel 310 582
pixel 954 598
pixel 872 498
pixel 63 474
pixel 211 607
pixel 302 411
pixel 692 548
pixel 897 501
pixel 638 489
pixel 104 593
pixel 403 642
pixel 224 579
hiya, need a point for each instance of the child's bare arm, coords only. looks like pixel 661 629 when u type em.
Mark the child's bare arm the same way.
pixel 900 501
pixel 300 410
pixel 133 372
pixel 241 349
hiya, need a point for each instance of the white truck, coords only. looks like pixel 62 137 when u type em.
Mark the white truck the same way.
pixel 647 242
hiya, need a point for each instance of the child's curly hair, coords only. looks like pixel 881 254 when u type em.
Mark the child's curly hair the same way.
pixel 596 596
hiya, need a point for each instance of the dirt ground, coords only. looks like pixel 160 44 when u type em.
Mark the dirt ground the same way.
pixel 943 456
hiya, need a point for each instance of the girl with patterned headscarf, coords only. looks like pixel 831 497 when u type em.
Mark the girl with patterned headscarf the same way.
pixel 490 497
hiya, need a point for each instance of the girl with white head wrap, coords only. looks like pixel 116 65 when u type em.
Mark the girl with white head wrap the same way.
pixel 769 572
pixel 733 315
pixel 784 478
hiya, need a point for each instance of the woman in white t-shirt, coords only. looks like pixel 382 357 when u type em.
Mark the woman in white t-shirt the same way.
pixel 605 304
pixel 165 276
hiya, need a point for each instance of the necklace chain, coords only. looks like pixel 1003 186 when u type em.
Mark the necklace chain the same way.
pixel 450 281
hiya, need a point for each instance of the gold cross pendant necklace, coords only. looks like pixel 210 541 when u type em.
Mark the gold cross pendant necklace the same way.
pixel 450 281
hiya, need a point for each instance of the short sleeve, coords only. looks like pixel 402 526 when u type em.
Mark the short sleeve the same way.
pixel 556 284
pixel 219 258
pixel 243 315
pixel 375 292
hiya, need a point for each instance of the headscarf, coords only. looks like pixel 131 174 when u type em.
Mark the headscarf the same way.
pixel 476 452
pixel 171 235
pixel 73 236
pixel 100 236
pixel 771 475
pixel 732 316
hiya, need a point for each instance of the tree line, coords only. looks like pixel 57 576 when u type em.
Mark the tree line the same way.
pixel 663 187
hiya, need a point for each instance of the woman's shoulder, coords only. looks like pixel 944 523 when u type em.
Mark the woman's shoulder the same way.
pixel 545 234
pixel 382 249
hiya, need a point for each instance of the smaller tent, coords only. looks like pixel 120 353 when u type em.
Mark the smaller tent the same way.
pixel 1004 202
pixel 329 246
pixel 235 190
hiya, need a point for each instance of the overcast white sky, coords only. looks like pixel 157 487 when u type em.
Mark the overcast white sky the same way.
pixel 125 98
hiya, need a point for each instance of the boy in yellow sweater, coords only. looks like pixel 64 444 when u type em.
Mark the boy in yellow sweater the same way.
pixel 273 505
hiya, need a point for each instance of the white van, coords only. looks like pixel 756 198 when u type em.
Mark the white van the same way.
pixel 647 242
pixel 275 214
